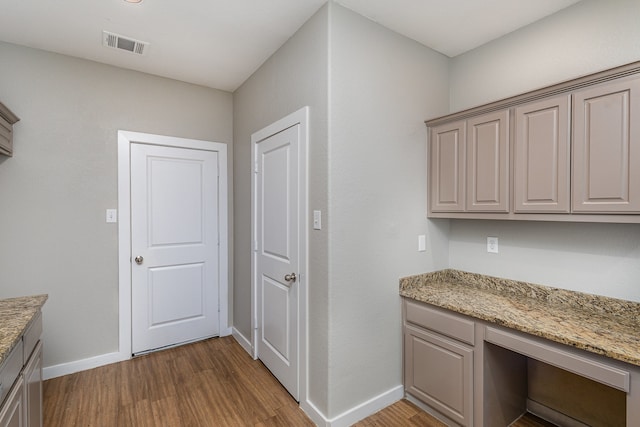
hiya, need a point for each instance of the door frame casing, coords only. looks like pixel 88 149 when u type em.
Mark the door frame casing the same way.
pixel 125 139
pixel 299 117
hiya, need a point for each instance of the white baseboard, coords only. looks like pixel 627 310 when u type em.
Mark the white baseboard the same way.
pixel 243 341
pixel 81 365
pixel 105 359
pixel 357 413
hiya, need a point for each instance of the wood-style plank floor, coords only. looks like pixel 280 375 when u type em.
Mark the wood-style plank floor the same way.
pixel 209 383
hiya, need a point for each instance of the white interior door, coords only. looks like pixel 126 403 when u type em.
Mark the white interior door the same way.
pixel 277 219
pixel 174 246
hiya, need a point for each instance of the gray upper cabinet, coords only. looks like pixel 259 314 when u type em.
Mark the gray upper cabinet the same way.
pixel 542 156
pixel 606 151
pixel 7 120
pixel 447 166
pixel 567 152
pixel 469 165
pixel 488 162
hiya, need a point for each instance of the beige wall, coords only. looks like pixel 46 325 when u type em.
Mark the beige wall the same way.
pixel 596 258
pixel 369 90
pixel 590 36
pixel 55 190
pixel 382 87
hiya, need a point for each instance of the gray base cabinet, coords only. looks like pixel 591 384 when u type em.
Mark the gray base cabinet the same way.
pixel 438 360
pixel 439 372
pixel 13 410
pixel 33 388
pixel 470 372
pixel 21 381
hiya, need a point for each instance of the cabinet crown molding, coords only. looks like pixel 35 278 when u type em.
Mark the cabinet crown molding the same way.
pixel 545 92
pixel 7 114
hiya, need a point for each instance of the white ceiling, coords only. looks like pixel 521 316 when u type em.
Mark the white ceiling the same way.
pixel 220 43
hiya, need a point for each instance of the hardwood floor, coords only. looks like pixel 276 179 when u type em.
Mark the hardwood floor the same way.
pixel 209 383
pixel 400 414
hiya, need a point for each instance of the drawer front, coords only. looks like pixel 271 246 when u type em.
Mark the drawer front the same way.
pixel 594 370
pixel 32 336
pixel 10 370
pixel 438 320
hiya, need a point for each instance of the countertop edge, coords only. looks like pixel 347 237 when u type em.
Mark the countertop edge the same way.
pixel 16 316
pixel 448 289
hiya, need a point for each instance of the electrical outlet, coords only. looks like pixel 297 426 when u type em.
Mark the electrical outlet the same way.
pixel 492 245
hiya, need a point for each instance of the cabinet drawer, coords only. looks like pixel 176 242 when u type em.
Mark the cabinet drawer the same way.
pixel 10 370
pixel 586 367
pixel 445 323
pixel 32 336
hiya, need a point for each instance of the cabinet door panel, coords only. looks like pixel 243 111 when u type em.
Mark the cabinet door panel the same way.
pixel 606 148
pixel 447 162
pixel 488 162
pixel 439 372
pixel 12 412
pixel 541 158
pixel 33 387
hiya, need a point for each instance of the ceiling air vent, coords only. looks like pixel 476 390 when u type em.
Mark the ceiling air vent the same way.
pixel 117 41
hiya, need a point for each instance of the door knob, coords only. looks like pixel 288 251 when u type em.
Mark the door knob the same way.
pixel 138 259
pixel 290 277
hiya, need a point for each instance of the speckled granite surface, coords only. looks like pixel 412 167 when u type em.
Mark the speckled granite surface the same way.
pixel 601 325
pixel 16 315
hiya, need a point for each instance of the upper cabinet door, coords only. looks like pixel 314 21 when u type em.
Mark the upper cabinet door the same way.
pixel 488 162
pixel 447 163
pixel 7 120
pixel 606 148
pixel 541 158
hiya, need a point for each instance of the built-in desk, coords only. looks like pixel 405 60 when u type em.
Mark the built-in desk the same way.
pixel 480 351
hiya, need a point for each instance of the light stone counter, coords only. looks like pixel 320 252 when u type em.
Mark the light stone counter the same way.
pixel 16 315
pixel 601 325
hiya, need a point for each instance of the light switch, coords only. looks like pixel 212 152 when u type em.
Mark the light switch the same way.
pixel 112 215
pixel 422 243
pixel 492 245
pixel 317 220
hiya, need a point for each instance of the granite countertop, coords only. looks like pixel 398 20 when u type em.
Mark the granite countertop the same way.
pixel 601 325
pixel 16 315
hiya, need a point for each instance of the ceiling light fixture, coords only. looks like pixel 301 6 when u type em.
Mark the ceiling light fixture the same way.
pixel 133 1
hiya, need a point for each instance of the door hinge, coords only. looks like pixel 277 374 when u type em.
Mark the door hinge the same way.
pixel 255 246
pixel 255 167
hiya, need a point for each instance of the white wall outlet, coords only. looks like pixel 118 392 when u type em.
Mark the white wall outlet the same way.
pixel 422 243
pixel 492 245
pixel 317 220
pixel 112 215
